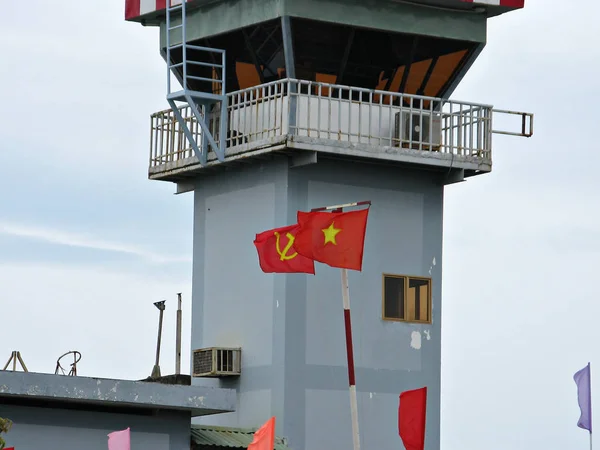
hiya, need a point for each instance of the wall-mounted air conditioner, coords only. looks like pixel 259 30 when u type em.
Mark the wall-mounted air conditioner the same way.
pixel 419 130
pixel 216 362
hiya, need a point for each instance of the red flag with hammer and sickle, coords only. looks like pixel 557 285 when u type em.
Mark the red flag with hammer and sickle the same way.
pixel 276 253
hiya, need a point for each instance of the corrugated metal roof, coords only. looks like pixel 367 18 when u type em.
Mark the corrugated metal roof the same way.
pixel 203 435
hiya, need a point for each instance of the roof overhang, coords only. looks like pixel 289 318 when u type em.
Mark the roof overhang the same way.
pixel 26 387
pixel 151 12
pixel 490 7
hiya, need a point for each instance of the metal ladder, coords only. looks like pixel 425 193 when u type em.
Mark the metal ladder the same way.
pixel 199 102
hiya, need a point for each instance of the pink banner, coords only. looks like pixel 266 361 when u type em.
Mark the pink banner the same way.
pixel 119 440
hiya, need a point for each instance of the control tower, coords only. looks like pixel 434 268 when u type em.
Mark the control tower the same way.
pixel 279 106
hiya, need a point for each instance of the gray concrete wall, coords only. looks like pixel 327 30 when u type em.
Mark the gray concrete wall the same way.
pixel 233 304
pixel 38 428
pixel 290 327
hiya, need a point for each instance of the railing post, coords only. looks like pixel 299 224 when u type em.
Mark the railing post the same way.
pixel 490 128
pixel 204 137
pixel 224 123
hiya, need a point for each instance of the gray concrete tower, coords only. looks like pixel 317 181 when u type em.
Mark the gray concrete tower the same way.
pixel 287 105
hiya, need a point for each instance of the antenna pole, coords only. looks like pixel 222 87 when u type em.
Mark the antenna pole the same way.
pixel 160 322
pixel 156 369
pixel 178 337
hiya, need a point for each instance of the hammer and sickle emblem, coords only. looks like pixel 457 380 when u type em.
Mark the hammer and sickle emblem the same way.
pixel 283 254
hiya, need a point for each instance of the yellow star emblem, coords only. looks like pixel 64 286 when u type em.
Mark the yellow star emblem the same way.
pixel 330 234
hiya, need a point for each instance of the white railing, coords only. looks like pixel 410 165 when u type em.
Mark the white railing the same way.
pixel 333 115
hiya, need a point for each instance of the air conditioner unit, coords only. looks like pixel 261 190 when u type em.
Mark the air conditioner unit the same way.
pixel 423 132
pixel 216 362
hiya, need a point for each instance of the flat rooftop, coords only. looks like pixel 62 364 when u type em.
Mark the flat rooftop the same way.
pixel 91 393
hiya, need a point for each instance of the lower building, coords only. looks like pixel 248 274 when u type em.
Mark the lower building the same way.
pixel 73 413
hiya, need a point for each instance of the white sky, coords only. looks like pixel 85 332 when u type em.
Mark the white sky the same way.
pixel 87 243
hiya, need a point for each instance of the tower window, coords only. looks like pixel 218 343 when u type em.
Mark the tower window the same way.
pixel 406 299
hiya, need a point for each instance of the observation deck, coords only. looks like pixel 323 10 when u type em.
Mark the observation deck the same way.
pixel 309 120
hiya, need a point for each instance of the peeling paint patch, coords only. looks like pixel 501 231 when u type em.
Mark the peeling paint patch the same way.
pixel 370 395
pixel 427 334
pixel 278 303
pixel 415 340
pixel 432 265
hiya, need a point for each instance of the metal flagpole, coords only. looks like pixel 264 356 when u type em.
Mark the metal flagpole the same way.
pixel 350 356
pixel 590 405
pixel 348 328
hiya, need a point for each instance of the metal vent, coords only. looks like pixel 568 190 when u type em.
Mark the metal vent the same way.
pixel 217 362
pixel 420 130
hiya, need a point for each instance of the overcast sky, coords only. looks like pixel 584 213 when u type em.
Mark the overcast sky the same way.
pixel 87 243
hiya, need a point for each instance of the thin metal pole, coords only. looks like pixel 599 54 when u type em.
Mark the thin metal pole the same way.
pixel 156 370
pixel 290 72
pixel 8 362
pixel 168 44
pixel 178 337
pixel 590 404
pixel 350 356
pixel 184 42
pixel 339 208
pixel 23 362
pixel 160 321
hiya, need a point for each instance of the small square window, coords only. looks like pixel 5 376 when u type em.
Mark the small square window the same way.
pixel 406 299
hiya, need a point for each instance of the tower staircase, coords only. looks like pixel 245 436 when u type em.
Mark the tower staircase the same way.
pixel 202 103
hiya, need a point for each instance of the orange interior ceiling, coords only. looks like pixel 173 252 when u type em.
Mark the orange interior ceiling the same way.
pixel 247 75
pixel 444 69
pixel 446 65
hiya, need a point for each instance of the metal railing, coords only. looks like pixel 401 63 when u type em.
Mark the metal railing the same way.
pixel 332 115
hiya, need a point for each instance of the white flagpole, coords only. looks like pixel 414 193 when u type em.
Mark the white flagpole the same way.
pixel 350 357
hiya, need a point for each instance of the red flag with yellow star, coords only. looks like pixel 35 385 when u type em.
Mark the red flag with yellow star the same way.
pixel 333 238
pixel 277 255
